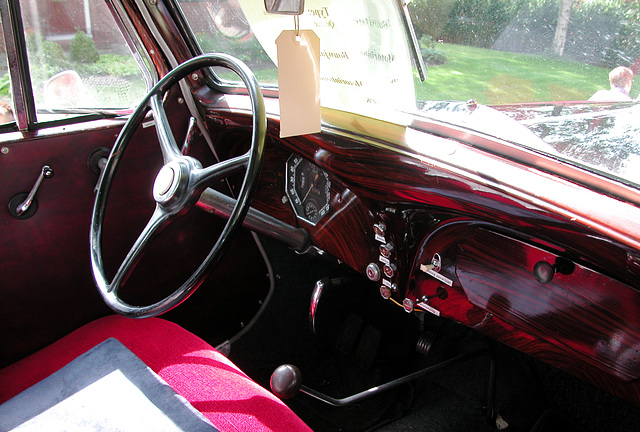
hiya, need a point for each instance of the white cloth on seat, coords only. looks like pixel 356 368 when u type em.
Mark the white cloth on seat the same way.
pixel 108 388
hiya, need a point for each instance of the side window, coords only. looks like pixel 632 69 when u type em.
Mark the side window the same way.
pixel 6 105
pixel 221 26
pixel 78 59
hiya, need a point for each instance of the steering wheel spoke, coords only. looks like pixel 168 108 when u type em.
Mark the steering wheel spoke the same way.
pixel 220 170
pixel 177 186
pixel 158 221
pixel 168 145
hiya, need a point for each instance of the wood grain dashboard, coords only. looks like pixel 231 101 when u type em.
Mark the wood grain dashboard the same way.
pixel 584 322
pixel 397 212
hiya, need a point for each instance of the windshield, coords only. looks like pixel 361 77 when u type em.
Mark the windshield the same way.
pixel 552 75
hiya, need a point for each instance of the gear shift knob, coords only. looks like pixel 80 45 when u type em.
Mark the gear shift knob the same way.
pixel 286 381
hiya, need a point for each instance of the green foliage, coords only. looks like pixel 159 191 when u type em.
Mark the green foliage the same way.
pixel 5 86
pixel 477 23
pixel 34 41
pixel 110 64
pixel 468 22
pixel 46 58
pixel 82 49
pixel 594 29
pixel 626 46
pixel 109 80
pixel 426 41
pixel 430 16
pixel 53 55
pixel 430 54
pixel 601 32
pixel 433 56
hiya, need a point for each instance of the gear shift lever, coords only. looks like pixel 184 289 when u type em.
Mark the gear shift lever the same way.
pixel 286 381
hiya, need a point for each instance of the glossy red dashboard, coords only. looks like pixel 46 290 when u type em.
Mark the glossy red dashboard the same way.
pixel 391 213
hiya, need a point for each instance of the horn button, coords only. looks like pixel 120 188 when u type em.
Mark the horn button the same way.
pixel 168 182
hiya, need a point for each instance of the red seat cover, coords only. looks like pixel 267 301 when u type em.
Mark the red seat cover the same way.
pixel 195 370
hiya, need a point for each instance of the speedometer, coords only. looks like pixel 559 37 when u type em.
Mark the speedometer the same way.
pixel 308 189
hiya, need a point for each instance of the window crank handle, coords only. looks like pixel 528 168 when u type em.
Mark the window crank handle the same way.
pixel 46 173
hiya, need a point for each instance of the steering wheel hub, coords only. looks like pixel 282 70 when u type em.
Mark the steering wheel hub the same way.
pixel 165 182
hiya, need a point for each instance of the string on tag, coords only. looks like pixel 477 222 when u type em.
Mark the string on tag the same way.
pixel 296 24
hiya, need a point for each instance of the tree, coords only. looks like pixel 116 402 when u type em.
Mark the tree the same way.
pixel 562 26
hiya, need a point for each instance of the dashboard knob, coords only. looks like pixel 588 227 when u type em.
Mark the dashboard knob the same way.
pixel 380 228
pixel 543 272
pixel 407 304
pixel 389 270
pixel 373 272
pixel 386 250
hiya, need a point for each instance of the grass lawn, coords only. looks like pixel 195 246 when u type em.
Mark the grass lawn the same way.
pixel 495 77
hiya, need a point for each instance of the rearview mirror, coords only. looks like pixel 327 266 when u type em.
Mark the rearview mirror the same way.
pixel 284 7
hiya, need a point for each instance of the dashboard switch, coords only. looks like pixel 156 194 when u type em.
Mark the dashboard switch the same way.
pixel 544 272
pixel 389 270
pixel 373 272
pixel 386 250
pixel 407 304
pixel 380 229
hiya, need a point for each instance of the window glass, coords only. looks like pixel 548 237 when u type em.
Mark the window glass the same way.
pixel 503 51
pixel 78 58
pixel 6 103
pixel 363 47
pixel 563 69
pixel 552 75
pixel 221 26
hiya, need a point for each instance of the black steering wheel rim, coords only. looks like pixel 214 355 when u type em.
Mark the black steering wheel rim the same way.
pixel 178 185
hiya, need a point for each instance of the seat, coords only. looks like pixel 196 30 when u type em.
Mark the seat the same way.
pixel 195 370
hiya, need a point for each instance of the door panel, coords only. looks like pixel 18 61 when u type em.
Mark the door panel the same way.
pixel 45 271
pixel 44 260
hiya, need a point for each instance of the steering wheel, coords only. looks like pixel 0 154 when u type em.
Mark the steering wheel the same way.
pixel 177 187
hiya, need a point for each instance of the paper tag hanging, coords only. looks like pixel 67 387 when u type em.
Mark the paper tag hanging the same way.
pixel 299 82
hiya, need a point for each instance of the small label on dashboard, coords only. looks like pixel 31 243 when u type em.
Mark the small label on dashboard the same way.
pixel 381 239
pixel 384 260
pixel 428 308
pixel 445 280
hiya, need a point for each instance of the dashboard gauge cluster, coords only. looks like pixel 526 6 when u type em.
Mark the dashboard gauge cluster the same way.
pixel 308 189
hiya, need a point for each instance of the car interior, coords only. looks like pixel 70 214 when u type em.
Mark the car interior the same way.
pixel 202 242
